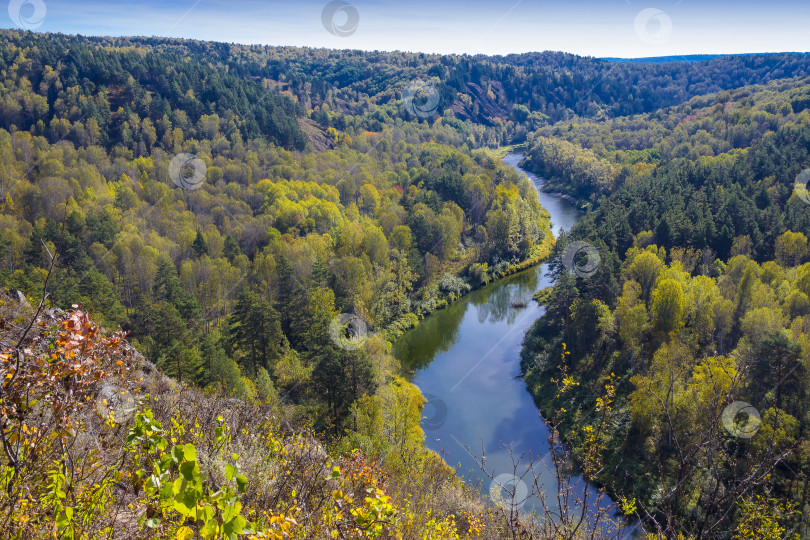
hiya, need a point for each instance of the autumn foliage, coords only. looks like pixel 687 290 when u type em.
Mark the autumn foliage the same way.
pixel 99 444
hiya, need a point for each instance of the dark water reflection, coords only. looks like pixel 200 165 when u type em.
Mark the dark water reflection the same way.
pixel 467 357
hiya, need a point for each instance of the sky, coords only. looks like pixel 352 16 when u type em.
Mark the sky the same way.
pixel 602 28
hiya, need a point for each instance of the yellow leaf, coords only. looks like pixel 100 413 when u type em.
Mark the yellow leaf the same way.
pixel 184 533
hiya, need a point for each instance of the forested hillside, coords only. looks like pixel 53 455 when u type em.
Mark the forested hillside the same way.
pixel 699 302
pixel 488 100
pixel 184 206
pixel 137 99
pixel 209 249
pixel 97 443
pixel 588 159
pixel 265 250
pixel 716 172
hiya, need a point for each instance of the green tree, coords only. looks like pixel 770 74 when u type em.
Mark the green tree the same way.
pixel 341 377
pixel 702 296
pixel 254 332
pixel 264 386
pixel 667 306
pixel 497 226
pixel 168 288
pixel 778 370
pixel 791 248
pixel 230 249
pixel 645 269
pixel 199 246
pixel 221 372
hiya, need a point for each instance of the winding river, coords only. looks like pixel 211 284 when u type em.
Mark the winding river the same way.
pixel 466 361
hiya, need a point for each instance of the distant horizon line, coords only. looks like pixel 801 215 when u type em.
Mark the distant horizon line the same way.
pixel 662 58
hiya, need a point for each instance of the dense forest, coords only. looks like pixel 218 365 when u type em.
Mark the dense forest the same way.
pixel 588 159
pixel 223 242
pixel 700 302
pixel 253 268
pixel 219 282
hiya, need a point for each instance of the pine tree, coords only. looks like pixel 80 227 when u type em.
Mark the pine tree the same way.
pixel 254 330
pixel 230 249
pixel 217 369
pixel 341 377
pixel 199 246
pixel 168 288
pixel 286 293
pixel 779 369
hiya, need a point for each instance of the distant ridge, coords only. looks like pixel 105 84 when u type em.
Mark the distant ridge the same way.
pixel 686 58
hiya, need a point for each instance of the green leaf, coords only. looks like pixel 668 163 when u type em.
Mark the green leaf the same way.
pixel 208 512
pixel 231 511
pixel 190 471
pixel 235 526
pixel 178 486
pixel 190 452
pixel 153 523
pixel 189 497
pixel 166 462
pixel 230 471
pixel 167 491
pixel 62 520
pixel 182 508
pixel 241 483
pixel 210 529
pixel 177 454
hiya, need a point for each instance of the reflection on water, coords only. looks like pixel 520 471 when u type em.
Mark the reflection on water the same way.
pixel 497 305
pixel 439 332
pixel 468 356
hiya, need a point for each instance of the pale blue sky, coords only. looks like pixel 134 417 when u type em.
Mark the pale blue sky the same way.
pixel 626 28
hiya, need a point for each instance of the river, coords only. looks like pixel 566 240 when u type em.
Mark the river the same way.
pixel 466 361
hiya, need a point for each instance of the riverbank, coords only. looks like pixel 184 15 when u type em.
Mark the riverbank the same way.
pixel 539 253
pixel 464 359
pixel 409 321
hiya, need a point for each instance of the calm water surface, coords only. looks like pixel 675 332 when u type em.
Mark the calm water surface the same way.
pixel 466 360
